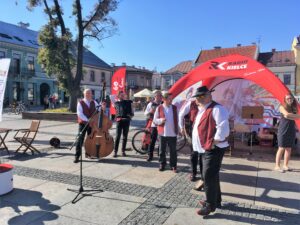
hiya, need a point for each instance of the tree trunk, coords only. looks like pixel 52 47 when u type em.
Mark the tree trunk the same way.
pixel 74 95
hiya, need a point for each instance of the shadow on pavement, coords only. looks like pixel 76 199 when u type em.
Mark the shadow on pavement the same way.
pixel 28 198
pixel 268 185
pixel 240 213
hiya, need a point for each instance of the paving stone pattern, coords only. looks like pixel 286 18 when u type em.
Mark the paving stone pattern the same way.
pixel 161 202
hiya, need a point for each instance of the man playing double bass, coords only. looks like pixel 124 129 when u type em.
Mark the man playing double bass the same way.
pixel 86 107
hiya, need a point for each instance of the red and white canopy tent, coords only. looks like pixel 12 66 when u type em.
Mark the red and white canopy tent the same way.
pixel 230 67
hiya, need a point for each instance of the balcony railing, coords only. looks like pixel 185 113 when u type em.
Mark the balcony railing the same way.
pixel 22 72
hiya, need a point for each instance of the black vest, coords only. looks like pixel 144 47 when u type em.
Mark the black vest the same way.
pixel 123 109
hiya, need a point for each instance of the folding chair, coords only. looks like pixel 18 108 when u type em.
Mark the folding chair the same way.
pixel 26 136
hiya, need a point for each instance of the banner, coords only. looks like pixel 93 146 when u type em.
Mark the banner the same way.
pixel 4 67
pixel 117 84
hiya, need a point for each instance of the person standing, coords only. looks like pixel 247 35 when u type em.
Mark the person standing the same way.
pixel 286 132
pixel 210 132
pixel 188 115
pixel 86 108
pixel 124 113
pixel 166 118
pixel 149 112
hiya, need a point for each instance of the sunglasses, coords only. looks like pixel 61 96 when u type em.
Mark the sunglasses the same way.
pixel 201 96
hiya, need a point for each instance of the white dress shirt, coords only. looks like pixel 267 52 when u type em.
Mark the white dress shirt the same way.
pixel 169 128
pixel 80 109
pixel 148 110
pixel 220 115
pixel 182 113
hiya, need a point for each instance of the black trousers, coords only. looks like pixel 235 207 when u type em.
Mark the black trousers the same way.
pixel 153 140
pixel 196 158
pixel 81 138
pixel 163 143
pixel 212 161
pixel 122 127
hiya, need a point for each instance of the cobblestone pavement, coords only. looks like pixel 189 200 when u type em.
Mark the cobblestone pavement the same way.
pixel 161 202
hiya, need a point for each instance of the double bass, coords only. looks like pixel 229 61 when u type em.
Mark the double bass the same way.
pixel 99 143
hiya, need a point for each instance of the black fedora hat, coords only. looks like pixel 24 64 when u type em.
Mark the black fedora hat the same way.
pixel 202 91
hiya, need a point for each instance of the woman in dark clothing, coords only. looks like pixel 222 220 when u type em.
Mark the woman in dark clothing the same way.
pixel 286 132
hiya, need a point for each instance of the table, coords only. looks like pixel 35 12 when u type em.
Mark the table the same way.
pixel 2 138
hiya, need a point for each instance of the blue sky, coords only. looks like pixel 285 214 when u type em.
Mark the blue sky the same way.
pixel 161 33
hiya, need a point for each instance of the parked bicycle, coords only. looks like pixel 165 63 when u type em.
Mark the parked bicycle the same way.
pixel 17 107
pixel 142 138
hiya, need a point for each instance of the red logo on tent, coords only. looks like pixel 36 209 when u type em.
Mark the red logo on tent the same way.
pixel 235 65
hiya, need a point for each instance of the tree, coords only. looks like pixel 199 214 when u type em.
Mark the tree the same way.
pixel 60 53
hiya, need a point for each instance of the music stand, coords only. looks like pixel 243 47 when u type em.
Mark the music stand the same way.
pixel 252 112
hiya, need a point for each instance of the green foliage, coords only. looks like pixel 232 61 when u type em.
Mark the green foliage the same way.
pixel 58 110
pixel 51 55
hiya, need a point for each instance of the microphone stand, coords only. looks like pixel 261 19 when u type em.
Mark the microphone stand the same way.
pixel 81 190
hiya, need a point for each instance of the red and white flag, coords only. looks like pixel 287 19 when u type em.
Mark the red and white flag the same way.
pixel 117 84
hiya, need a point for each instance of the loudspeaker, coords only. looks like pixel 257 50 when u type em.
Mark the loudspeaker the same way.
pixel 55 142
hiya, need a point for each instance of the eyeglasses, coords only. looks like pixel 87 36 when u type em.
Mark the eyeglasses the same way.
pixel 289 98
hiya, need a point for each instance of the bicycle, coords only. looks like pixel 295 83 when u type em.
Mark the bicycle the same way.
pixel 142 138
pixel 21 107
pixel 17 108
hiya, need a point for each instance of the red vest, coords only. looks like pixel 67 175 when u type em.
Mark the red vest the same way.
pixel 161 114
pixel 88 112
pixel 207 127
pixel 193 111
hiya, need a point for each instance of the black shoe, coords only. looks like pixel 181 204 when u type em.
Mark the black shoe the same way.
pixel 204 203
pixel 161 167
pixel 76 160
pixel 123 154
pixel 193 178
pixel 149 159
pixel 205 210
pixel 115 155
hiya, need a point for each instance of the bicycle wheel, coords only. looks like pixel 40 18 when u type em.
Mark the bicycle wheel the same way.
pixel 141 141
pixel 181 141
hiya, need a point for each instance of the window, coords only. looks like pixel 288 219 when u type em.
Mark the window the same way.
pixel 148 82
pixel 287 79
pixel 92 76
pixel 167 82
pixel 2 54
pixel 102 76
pixel 93 92
pixel 5 36
pixel 30 60
pixel 131 83
pixel 31 92
pixel 16 63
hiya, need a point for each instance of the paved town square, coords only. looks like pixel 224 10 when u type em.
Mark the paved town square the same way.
pixel 134 191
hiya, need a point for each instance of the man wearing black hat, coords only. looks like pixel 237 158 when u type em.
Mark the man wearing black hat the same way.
pixel 209 135
pixel 187 116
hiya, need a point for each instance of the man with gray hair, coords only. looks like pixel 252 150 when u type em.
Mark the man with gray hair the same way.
pixel 149 112
pixel 86 108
